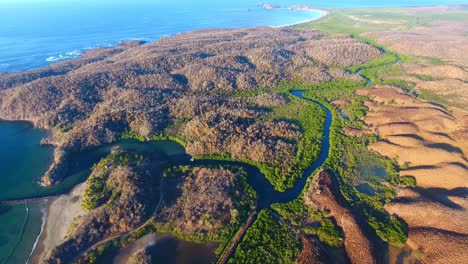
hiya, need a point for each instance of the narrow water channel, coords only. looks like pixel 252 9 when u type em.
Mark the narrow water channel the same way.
pixel 80 168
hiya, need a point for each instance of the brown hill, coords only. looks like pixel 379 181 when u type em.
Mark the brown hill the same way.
pixel 143 89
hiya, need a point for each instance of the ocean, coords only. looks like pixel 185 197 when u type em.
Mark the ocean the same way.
pixel 36 33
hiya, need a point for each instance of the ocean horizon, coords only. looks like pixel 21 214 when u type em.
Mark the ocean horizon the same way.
pixel 38 33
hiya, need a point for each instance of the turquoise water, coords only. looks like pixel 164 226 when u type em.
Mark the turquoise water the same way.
pixel 36 33
pixel 20 226
pixel 22 159
pixel 40 33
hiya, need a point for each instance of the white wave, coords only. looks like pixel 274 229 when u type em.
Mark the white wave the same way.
pixel 65 56
pixel 321 14
pixel 44 218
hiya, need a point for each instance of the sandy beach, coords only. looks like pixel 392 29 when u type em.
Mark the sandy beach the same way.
pixel 60 215
pixel 323 13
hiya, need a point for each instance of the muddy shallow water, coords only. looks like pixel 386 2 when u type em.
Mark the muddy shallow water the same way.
pixel 166 248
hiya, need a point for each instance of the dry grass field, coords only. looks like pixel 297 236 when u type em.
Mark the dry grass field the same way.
pixel 425 129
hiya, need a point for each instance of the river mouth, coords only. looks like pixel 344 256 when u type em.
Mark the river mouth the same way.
pixel 24 159
pixel 166 150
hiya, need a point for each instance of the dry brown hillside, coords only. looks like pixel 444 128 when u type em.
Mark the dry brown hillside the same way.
pixel 431 143
pixel 324 195
pixel 156 88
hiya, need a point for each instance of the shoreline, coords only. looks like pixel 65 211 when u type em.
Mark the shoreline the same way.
pixel 43 225
pixel 79 53
pixel 59 216
pixel 323 13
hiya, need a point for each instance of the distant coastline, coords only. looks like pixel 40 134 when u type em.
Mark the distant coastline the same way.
pixel 68 41
pixel 323 13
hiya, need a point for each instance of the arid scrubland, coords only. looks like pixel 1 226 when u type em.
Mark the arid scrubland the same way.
pixel 145 89
pixel 223 94
pixel 204 200
pixel 422 123
pixel 430 143
pixel 120 195
pixel 324 195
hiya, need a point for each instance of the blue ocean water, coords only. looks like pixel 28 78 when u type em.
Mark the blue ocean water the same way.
pixel 36 33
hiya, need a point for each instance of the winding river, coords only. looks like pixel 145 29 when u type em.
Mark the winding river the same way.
pixel 266 193
pixel 175 153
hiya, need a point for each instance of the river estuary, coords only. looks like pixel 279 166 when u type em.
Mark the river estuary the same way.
pixel 24 221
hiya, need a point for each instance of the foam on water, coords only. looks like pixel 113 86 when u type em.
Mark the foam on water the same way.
pixel 65 56
pixel 44 218
pixel 41 35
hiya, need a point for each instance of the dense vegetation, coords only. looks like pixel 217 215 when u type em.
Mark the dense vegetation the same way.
pixel 267 241
pixel 311 119
pixel 205 203
pixel 200 204
pixel 97 190
pixel 348 157
pixel 118 202
pixel 156 90
pixel 301 216
pixel 350 160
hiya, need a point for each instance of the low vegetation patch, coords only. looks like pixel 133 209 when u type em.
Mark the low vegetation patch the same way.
pixel 205 203
pixel 301 216
pixel 268 241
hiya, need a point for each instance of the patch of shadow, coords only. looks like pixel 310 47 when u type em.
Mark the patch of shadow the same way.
pixel 441 196
pixel 164 251
pixel 446 147
pixel 402 123
pixel 461 192
pixel 442 232
pixel 442 135
pixel 438 105
pixel 445 112
pixel 180 79
pixel 407 256
pixel 203 55
pixel 388 142
pixel 329 254
pixel 413 136
pixel 423 167
pixel 245 60
pixel 406 200
pixel 172 189
pixel 458 164
pixel 286 53
pixel 4 208
pixel 170 250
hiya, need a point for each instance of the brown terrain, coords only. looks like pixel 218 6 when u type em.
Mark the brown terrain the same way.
pixel 145 89
pixel 202 199
pixel 323 194
pixel 431 141
pixel 127 200
pixel 309 253
pixel 443 38
pixel 427 134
